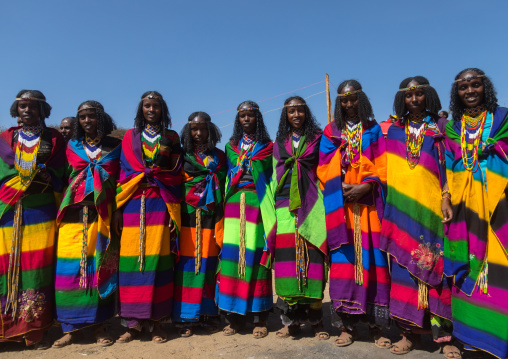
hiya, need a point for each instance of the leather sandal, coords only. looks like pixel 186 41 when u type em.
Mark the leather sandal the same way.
pixel 380 341
pixel 408 342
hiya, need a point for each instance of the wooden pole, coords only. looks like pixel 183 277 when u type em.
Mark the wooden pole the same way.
pixel 328 100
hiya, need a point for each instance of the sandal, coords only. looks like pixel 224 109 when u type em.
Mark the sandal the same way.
pixel 260 330
pixel 319 332
pixel 67 339
pixel 159 336
pixel 102 337
pixel 288 331
pixel 185 332
pixel 451 351
pixel 44 344
pixel 408 342
pixel 346 337
pixel 376 334
pixel 211 328
pixel 128 336
pixel 229 330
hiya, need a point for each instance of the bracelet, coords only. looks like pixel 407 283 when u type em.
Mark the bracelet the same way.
pixel 445 192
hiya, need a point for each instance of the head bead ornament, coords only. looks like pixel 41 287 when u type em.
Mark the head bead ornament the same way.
pixel 413 87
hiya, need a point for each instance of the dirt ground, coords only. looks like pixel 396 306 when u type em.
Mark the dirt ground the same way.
pixel 241 345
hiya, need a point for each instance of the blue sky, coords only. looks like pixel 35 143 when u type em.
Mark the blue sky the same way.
pixel 211 55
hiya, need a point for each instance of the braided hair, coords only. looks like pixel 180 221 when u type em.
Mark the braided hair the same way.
pixel 139 121
pixel 44 107
pixel 214 134
pixel 262 135
pixel 432 102
pixel 489 100
pixel 105 124
pixel 365 112
pixel 311 128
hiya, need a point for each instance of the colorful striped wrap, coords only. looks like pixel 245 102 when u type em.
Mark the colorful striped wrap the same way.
pixel 358 276
pixel 300 246
pixel 32 288
pixel 87 256
pixel 149 197
pixel 412 231
pixel 477 235
pixel 202 227
pixel 250 291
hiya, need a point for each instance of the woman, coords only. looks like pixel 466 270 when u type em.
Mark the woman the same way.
pixel 475 254
pixel 32 165
pixel 148 218
pixel 85 267
pixel 244 289
pixel 299 245
pixel 204 173
pixel 353 168
pixel 413 231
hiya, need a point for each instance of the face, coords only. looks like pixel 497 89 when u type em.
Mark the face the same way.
pixel 152 111
pixel 28 112
pixel 296 114
pixel 88 121
pixel 472 92
pixel 349 104
pixel 248 119
pixel 415 99
pixel 199 131
pixel 66 129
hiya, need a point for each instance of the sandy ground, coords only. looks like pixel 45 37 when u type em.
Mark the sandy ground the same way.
pixel 241 345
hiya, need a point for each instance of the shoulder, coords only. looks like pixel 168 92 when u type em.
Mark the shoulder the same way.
pixel 8 134
pixel 172 136
pixel 111 141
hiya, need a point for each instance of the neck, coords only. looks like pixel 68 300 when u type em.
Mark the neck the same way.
pixel 417 117
pixel 475 111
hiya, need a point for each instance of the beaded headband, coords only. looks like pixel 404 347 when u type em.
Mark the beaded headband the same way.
pixel 413 87
pixel 469 78
pixel 248 109
pixel 151 97
pixel 29 99
pixel 294 104
pixel 196 120
pixel 349 93
pixel 87 108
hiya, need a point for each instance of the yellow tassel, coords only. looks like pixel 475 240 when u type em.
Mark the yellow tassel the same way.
pixel 197 266
pixel 14 261
pixel 483 279
pixel 142 232
pixel 358 245
pixel 423 295
pixel 84 249
pixel 243 220
pixel 301 257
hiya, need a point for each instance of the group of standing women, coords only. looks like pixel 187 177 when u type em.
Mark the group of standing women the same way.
pixel 170 227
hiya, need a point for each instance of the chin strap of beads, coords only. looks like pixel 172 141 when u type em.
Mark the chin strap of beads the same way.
pixel 142 232
pixel 84 250
pixel 358 244
pixel 197 266
pixel 14 261
pixel 423 295
pixel 483 279
pixel 243 223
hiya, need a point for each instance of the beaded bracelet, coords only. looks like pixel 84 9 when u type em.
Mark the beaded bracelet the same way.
pixel 446 192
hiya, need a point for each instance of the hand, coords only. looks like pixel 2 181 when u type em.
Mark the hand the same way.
pixel 117 222
pixel 355 192
pixel 172 227
pixel 446 208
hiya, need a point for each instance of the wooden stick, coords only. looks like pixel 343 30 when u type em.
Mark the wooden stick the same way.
pixel 328 100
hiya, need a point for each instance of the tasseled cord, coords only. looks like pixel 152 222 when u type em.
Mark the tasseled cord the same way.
pixel 358 245
pixel 423 295
pixel 84 250
pixel 301 257
pixel 197 266
pixel 142 232
pixel 243 220
pixel 14 261
pixel 483 279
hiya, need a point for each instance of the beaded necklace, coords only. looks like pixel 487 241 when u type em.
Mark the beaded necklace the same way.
pixel 200 148
pixel 417 117
pixel 92 148
pixel 470 136
pixel 354 136
pixel 25 161
pixel 415 134
pixel 296 134
pixel 248 140
pixel 150 142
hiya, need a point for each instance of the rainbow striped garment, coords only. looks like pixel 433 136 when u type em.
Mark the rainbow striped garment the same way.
pixel 244 284
pixel 148 194
pixel 359 279
pixel 202 227
pixel 476 250
pixel 28 207
pixel 86 268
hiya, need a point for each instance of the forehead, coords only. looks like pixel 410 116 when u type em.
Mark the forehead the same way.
pixel 296 102
pixel 26 102
pixel 244 112
pixel 150 101
pixel 65 121
pixel 87 112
